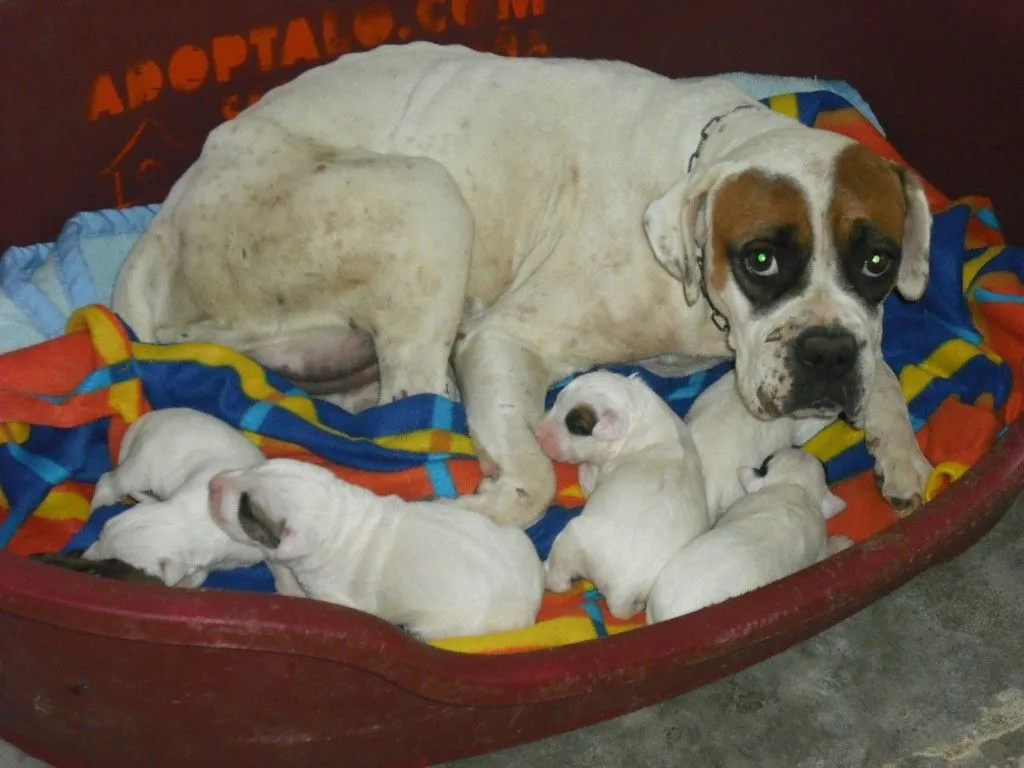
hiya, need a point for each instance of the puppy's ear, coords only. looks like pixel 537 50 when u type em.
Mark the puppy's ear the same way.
pixel 613 425
pixel 277 535
pixel 913 275
pixel 257 525
pixel 677 230
pixel 831 506
pixel 750 479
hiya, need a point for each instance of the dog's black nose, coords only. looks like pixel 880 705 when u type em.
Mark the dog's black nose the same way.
pixel 826 353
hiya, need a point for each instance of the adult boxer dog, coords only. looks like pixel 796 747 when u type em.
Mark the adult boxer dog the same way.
pixel 531 218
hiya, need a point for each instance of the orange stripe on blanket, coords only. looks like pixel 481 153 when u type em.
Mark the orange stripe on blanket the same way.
pixel 53 368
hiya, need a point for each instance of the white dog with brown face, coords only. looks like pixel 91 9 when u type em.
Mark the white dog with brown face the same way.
pixel 642 476
pixel 433 568
pixel 171 454
pixel 531 218
pixel 775 530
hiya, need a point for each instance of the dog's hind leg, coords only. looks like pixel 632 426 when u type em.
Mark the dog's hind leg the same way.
pixel 502 383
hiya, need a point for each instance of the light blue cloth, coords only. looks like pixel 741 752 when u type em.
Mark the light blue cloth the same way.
pixel 41 285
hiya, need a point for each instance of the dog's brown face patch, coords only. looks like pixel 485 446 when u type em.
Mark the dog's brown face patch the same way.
pixel 761 234
pixel 867 217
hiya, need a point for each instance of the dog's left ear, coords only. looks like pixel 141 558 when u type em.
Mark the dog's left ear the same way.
pixel 677 230
pixel 913 275
pixel 612 426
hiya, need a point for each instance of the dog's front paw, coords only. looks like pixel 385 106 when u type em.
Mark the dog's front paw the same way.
pixel 902 478
pixel 508 501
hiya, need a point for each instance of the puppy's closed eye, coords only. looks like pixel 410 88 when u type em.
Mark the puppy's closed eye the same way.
pixel 581 420
pixel 256 525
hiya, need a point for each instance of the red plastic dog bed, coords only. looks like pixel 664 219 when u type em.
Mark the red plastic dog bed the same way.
pixel 107 102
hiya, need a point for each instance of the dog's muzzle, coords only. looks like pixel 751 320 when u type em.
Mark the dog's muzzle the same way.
pixel 824 364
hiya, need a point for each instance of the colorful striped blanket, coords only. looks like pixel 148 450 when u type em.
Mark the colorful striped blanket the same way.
pixel 65 403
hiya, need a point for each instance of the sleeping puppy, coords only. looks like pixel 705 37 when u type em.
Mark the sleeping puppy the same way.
pixel 435 569
pixel 775 530
pixel 642 475
pixel 175 540
pixel 162 448
pixel 172 453
pixel 728 437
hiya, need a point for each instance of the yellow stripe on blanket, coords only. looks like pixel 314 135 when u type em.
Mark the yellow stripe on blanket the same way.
pixel 975 265
pixel 786 104
pixel 16 432
pixel 545 634
pixel 64 505
pixel 428 441
pixel 108 338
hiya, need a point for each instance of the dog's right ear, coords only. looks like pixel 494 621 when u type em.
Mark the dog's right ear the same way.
pixel 676 227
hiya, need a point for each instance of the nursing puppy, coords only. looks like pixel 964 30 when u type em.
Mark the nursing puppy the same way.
pixel 642 476
pixel 728 437
pixel 172 453
pixel 163 448
pixel 435 569
pixel 775 530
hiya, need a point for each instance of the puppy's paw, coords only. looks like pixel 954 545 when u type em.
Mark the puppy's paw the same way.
pixel 509 501
pixel 556 579
pixel 902 478
pixel 106 492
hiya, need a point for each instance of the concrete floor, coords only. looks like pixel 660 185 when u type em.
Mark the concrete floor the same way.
pixel 931 676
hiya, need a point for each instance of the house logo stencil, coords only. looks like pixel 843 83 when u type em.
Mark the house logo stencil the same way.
pixel 139 171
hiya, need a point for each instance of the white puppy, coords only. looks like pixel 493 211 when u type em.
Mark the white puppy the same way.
pixel 728 437
pixel 642 474
pixel 436 569
pixel 776 530
pixel 175 540
pixel 163 448
pixel 172 453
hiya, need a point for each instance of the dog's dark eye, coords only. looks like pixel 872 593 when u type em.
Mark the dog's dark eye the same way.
pixel 581 420
pixel 759 259
pixel 877 263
